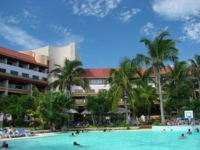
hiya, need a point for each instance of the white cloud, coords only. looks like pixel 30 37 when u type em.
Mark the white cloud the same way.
pixel 11 19
pixel 192 30
pixel 17 36
pixel 27 14
pixel 187 11
pixel 148 29
pixel 65 36
pixel 177 9
pixel 126 16
pixel 98 8
pixel 182 38
pixel 30 19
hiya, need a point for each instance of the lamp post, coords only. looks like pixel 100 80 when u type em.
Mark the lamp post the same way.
pixel 125 105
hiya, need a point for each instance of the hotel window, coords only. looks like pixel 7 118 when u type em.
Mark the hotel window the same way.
pixel 35 77
pixel 41 70
pixel 9 62
pixel 19 87
pixel 21 65
pixel 44 79
pixel 102 90
pixel 31 68
pixel 13 72
pixel 25 75
pixel 3 70
pixel 78 91
pixel 90 91
pixel 2 60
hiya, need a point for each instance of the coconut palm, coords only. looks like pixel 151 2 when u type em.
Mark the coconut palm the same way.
pixel 177 73
pixel 121 82
pixel 147 96
pixel 195 69
pixel 68 75
pixel 178 84
pixel 160 50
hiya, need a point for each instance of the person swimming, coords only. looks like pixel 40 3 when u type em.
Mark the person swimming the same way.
pixel 72 134
pixel 76 144
pixel 163 130
pixel 4 145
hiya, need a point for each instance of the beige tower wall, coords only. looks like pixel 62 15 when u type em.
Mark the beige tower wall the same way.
pixel 56 55
pixel 42 59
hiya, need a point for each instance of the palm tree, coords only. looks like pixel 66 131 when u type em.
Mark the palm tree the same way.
pixel 177 85
pixel 160 50
pixel 99 105
pixel 68 75
pixel 147 96
pixel 121 82
pixel 195 69
pixel 178 73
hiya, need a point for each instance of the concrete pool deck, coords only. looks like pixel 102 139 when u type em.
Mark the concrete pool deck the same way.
pixel 42 133
pixel 175 128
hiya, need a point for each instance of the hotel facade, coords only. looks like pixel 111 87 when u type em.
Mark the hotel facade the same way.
pixel 19 71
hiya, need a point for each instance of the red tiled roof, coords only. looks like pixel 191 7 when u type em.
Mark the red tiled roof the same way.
pixel 104 72
pixel 17 55
pixel 97 73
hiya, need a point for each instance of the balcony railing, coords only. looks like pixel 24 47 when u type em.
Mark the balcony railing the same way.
pixel 43 79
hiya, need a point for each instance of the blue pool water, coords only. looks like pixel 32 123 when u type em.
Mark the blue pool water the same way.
pixel 114 140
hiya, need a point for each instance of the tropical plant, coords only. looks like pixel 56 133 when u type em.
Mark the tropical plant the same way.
pixel 67 76
pixel 50 107
pixel 99 105
pixel 178 90
pixel 15 105
pixel 160 50
pixel 195 69
pixel 122 82
pixel 177 74
pixel 147 96
pixel 194 105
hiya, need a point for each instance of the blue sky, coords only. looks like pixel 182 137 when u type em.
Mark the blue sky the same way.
pixel 105 31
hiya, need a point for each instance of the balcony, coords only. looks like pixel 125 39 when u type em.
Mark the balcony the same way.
pixel 23 79
pixel 18 91
pixel 80 102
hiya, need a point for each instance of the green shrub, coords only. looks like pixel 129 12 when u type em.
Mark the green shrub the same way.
pixel 156 123
pixel 19 122
pixel 87 118
pixel 5 123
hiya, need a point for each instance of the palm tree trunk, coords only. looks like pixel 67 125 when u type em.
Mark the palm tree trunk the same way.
pixel 160 98
pixel 199 88
pixel 125 106
pixel 93 120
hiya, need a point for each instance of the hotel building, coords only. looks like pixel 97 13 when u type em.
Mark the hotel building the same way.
pixel 19 71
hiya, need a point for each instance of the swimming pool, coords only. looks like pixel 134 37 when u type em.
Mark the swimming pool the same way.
pixel 113 140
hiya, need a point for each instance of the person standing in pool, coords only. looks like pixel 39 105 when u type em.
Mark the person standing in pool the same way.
pixel 189 132
pixel 196 130
pixel 183 136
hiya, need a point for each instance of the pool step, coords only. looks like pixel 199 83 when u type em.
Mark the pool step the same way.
pixel 145 127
